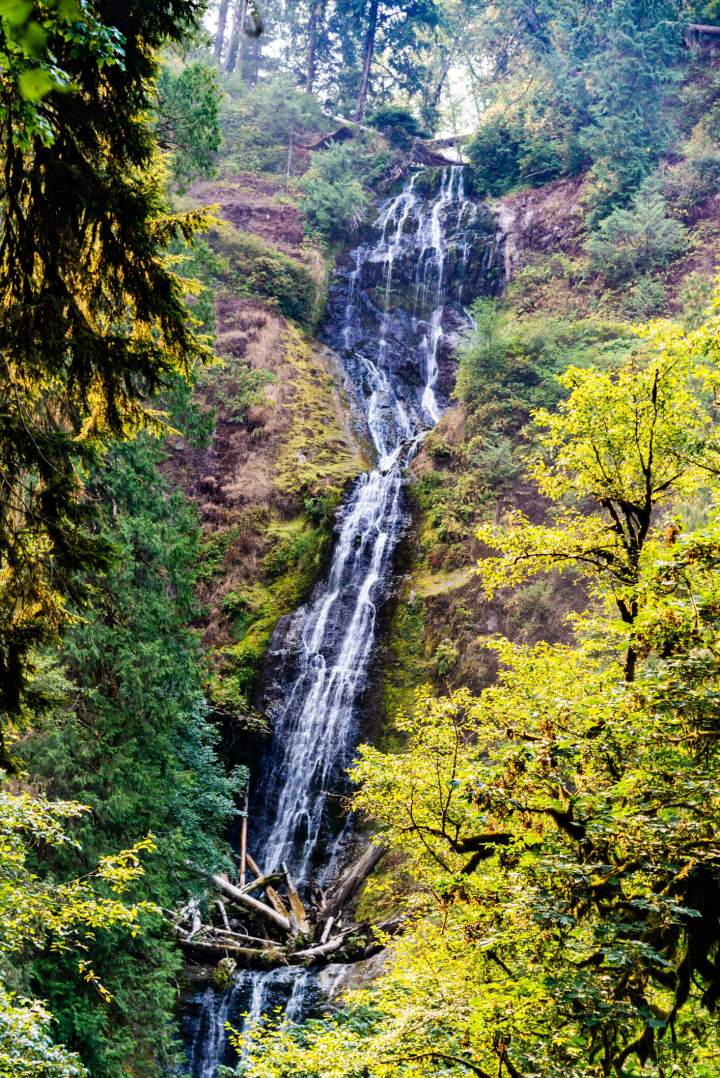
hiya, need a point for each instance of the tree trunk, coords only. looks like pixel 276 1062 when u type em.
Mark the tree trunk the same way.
pixel 255 57
pixel 368 52
pixel 348 886
pixel 234 53
pixel 243 843
pixel 317 11
pixel 442 78
pixel 220 32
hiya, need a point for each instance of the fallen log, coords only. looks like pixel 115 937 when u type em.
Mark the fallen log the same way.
pixel 239 898
pixel 297 909
pixel 351 881
pixel 374 943
pixel 223 913
pixel 261 882
pixel 249 956
pixel 272 896
pixel 703 29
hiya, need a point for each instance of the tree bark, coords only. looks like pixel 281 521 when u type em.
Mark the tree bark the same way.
pixel 317 11
pixel 243 843
pixel 233 59
pixel 368 52
pixel 350 883
pixel 220 32
pixel 242 898
pixel 701 28
pixel 297 909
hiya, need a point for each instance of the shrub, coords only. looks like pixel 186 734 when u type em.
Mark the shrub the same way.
pixel 696 296
pixel 508 366
pixel 505 154
pixel 397 124
pixel 494 153
pixel 259 124
pixel 630 242
pixel 645 298
pixel 335 189
pixel 688 184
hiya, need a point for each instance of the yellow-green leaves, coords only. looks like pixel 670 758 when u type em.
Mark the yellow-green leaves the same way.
pixel 624 444
pixel 39 912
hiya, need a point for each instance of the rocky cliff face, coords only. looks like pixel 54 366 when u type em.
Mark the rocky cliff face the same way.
pixel 283 446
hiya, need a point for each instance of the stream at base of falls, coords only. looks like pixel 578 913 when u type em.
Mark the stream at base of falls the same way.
pixel 395 311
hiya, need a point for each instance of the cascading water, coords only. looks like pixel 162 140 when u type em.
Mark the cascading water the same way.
pixel 390 317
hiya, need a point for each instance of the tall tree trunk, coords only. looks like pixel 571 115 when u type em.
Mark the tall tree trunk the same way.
pixel 317 12
pixel 368 51
pixel 234 53
pixel 254 66
pixel 442 78
pixel 220 33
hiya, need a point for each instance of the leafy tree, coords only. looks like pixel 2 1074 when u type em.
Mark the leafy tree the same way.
pixel 67 917
pixel 93 320
pixel 504 154
pixel 623 444
pixel 188 125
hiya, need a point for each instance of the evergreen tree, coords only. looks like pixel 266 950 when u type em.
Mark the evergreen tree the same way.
pixel 136 748
pixel 93 321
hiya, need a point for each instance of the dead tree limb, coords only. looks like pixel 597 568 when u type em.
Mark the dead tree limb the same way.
pixel 351 881
pixel 297 909
pixel 241 898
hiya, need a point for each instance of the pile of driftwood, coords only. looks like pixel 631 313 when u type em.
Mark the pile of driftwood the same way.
pixel 263 922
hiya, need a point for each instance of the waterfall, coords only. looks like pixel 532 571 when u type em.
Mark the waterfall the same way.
pixel 391 318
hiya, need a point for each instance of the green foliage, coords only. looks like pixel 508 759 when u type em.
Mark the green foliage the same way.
pixel 633 241
pixel 188 123
pixel 695 296
pixel 645 299
pixel 136 747
pixel 260 124
pixel 692 181
pixel 94 322
pixel 561 828
pixel 304 550
pixel 26 1041
pixel 237 387
pixel 335 189
pixel 399 125
pixel 508 366
pixel 258 269
pixel 67 917
pixel 577 85
pixel 505 154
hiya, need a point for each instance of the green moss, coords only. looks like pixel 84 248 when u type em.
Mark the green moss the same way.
pixel 296 550
pixel 258 269
pixel 320 454
pixel 408 666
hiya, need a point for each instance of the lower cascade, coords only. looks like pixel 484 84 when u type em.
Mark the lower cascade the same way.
pixel 395 312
